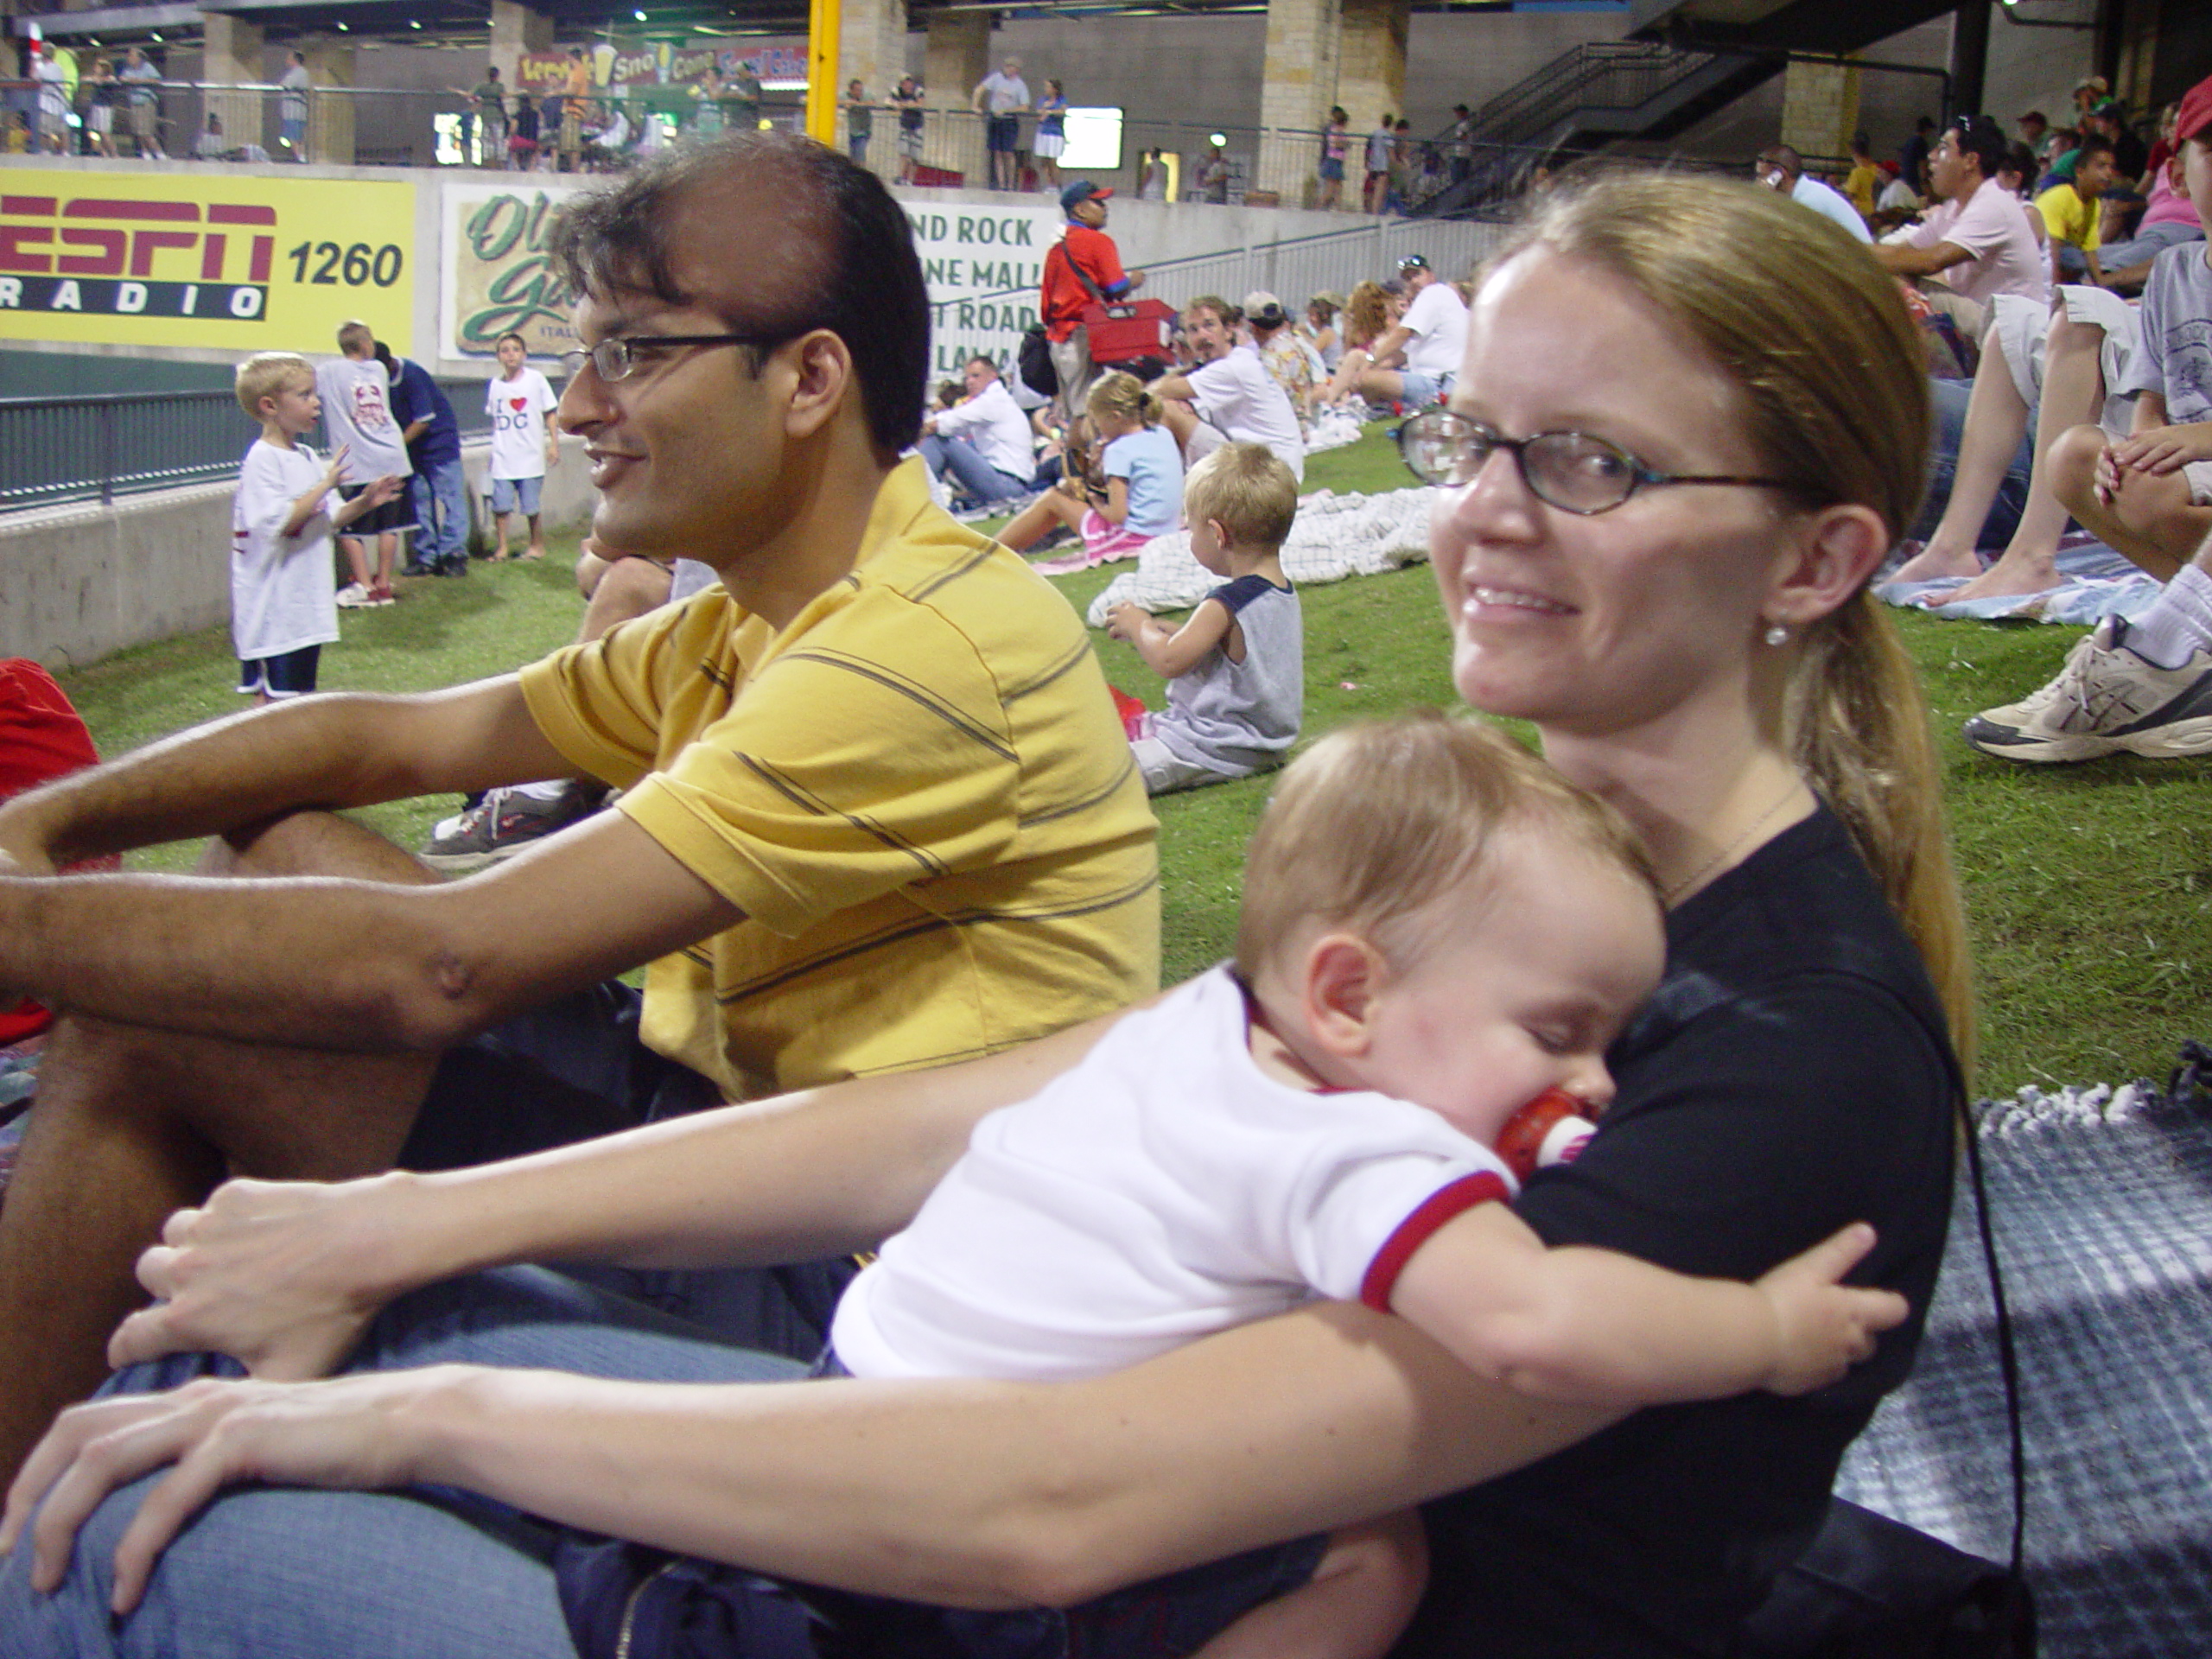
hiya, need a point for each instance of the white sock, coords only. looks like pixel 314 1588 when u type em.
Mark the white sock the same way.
pixel 2178 623
pixel 549 790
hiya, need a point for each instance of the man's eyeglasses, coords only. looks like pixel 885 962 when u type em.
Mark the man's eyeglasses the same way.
pixel 614 357
pixel 1571 471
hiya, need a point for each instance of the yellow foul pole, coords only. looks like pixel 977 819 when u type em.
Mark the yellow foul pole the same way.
pixel 825 19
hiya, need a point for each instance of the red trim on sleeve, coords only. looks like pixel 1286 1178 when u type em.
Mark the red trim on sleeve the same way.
pixel 1418 1228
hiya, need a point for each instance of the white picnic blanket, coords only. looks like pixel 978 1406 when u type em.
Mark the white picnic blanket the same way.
pixel 2094 582
pixel 1335 536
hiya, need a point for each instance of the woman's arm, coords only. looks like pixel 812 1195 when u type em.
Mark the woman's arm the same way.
pixel 966 1493
pixel 283 1276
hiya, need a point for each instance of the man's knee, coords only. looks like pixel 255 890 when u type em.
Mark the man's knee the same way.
pixel 629 588
pixel 313 843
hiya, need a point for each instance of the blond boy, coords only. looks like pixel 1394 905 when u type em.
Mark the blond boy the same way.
pixel 1236 670
pixel 283 606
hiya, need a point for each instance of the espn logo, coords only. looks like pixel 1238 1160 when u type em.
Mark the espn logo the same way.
pixel 113 257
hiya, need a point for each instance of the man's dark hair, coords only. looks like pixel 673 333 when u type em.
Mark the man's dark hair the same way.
pixel 517 338
pixel 1783 156
pixel 2092 147
pixel 1980 137
pixel 866 288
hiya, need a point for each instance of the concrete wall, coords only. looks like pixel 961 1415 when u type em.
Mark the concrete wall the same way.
pixel 77 583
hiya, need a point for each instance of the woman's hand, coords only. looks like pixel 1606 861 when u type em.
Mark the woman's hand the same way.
pixel 1823 1326
pixel 356 1432
pixel 279 1275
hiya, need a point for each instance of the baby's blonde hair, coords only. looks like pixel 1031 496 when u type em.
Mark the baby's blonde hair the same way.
pixel 1376 821
pixel 267 373
pixel 1247 489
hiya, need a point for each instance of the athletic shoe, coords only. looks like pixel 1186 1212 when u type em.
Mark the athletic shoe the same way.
pixel 353 597
pixel 506 822
pixel 381 595
pixel 2106 700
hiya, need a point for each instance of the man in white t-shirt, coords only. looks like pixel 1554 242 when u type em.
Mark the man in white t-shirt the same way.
pixel 1432 335
pixel 1976 240
pixel 356 393
pixel 983 442
pixel 1780 167
pixel 523 446
pixel 1230 391
pixel 1000 99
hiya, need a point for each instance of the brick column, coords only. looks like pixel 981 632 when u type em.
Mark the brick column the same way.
pixel 1371 64
pixel 231 53
pixel 330 114
pixel 872 49
pixel 1298 85
pixel 1819 108
pixel 959 57
pixel 517 29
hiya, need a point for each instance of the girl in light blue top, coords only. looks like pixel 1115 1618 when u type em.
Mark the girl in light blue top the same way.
pixel 1136 495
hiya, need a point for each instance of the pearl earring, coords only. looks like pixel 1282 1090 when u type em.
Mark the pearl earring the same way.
pixel 1777 634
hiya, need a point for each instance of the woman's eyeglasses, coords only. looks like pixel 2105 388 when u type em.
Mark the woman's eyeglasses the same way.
pixel 1571 471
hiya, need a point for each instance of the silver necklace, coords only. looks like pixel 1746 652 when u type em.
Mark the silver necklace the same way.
pixel 1677 889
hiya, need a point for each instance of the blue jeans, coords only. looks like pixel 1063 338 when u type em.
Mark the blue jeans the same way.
pixel 1949 400
pixel 2119 256
pixel 440 493
pixel 276 1574
pixel 965 462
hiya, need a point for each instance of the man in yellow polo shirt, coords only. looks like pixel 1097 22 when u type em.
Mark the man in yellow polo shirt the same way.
pixel 878 810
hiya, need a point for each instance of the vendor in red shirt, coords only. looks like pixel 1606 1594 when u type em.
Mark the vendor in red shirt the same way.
pixel 1087 250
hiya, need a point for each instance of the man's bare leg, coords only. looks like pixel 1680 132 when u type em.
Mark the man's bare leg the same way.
pixel 2073 393
pixel 615 590
pixel 132 1123
pixel 1996 421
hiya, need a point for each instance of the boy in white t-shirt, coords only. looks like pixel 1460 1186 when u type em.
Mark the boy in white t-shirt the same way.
pixel 1431 915
pixel 356 393
pixel 523 446
pixel 282 609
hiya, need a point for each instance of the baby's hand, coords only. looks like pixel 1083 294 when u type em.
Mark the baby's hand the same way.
pixel 1823 1326
pixel 1126 621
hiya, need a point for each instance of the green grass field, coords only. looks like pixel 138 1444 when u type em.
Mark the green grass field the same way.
pixel 2090 887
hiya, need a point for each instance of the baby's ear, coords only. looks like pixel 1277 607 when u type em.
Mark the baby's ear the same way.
pixel 1344 975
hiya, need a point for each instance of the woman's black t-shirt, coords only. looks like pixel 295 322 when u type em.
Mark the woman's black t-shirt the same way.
pixel 1792 1074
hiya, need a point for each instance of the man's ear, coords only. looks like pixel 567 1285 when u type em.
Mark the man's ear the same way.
pixel 1828 559
pixel 823 367
pixel 1343 980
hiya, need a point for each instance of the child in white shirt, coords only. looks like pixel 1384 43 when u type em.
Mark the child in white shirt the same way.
pixel 523 446
pixel 283 606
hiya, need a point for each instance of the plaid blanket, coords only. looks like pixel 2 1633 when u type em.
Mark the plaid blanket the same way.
pixel 2102 1201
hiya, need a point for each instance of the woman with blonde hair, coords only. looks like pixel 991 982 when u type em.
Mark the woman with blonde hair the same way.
pixel 1689 426
pixel 1117 490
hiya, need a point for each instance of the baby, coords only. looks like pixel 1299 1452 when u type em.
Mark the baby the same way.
pixel 1437 931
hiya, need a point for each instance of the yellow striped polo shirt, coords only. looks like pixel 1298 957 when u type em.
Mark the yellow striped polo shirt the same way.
pixel 919 793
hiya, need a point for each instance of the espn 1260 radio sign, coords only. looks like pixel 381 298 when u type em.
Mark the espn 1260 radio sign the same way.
pixel 243 261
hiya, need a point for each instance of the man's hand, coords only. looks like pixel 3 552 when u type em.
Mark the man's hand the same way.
pixel 1823 1327
pixel 352 1432
pixel 279 1275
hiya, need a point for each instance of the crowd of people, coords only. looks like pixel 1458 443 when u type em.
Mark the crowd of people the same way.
pixel 886 842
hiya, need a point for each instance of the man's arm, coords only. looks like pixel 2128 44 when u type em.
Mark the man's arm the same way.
pixel 320 962
pixel 1901 259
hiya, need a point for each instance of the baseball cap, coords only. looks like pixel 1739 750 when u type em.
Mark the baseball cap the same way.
pixel 1262 306
pixel 1081 191
pixel 2195 118
pixel 1413 261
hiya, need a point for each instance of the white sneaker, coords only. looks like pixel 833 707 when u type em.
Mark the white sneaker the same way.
pixel 2106 700
pixel 354 597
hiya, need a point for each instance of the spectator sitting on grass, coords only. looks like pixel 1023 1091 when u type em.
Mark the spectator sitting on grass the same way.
pixel 1229 394
pixel 1236 671
pixel 1975 240
pixel 1134 495
pixel 1433 333
pixel 982 443
pixel 2070 214
pixel 2142 686
pixel 1781 167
